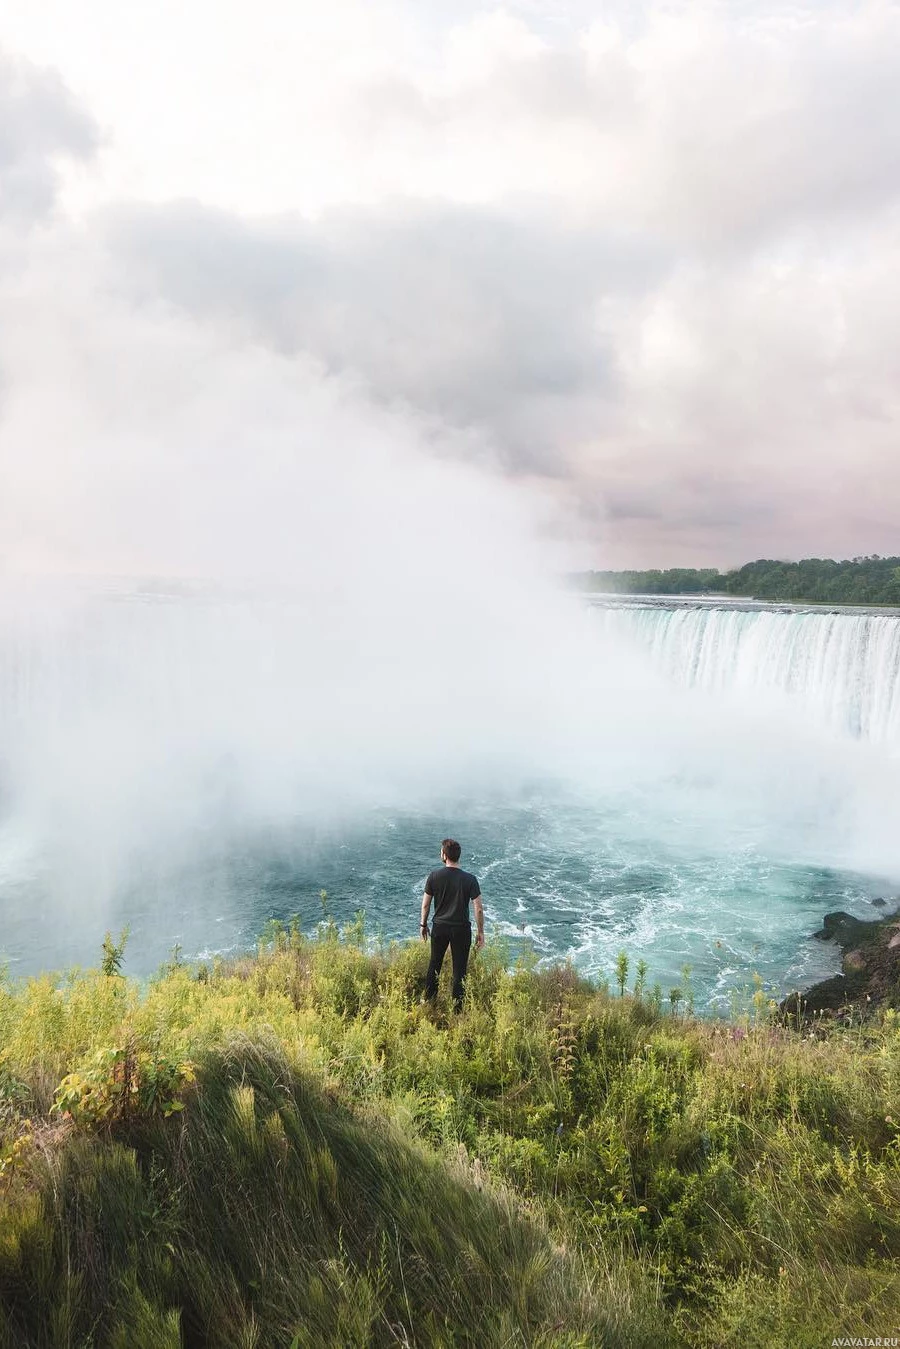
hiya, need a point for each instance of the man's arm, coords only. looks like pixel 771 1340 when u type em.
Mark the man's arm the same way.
pixel 478 906
pixel 426 906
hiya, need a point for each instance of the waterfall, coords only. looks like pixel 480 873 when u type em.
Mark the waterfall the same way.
pixel 190 763
pixel 59 668
pixel 842 668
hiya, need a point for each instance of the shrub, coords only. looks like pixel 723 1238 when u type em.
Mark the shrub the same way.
pixel 116 1084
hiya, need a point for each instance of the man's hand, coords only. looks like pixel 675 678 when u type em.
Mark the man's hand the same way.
pixel 478 906
pixel 424 930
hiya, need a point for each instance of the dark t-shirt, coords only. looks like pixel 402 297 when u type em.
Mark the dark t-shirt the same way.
pixel 452 889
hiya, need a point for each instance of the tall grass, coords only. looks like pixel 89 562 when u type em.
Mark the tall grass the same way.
pixel 269 1213
pixel 554 1166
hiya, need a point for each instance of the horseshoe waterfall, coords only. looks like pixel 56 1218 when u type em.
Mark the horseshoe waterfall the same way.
pixel 841 669
pixel 706 782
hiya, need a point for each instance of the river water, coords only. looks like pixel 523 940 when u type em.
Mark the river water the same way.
pixel 125 802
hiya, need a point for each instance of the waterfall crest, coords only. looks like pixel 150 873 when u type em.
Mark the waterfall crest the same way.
pixel 843 668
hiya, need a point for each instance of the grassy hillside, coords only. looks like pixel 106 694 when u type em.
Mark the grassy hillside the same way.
pixel 290 1150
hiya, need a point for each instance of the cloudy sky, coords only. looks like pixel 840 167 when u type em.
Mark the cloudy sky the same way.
pixel 637 262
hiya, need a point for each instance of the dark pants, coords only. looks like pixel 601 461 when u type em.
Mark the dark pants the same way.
pixel 459 938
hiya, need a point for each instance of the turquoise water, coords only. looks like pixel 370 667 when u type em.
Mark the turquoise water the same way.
pixel 193 766
pixel 565 878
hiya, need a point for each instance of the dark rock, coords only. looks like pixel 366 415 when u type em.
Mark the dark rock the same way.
pixel 871 970
pixel 846 930
pixel 828 995
pixel 879 902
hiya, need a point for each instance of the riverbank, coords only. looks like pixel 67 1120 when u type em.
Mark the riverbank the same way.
pixel 271 1150
pixel 869 981
pixel 858 581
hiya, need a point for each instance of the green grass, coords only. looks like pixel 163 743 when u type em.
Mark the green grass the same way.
pixel 268 1213
pixel 290 1149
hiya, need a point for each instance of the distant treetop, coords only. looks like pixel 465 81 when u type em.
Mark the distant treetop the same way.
pixel 815 580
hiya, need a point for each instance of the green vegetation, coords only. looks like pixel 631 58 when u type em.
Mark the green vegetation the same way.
pixel 290 1149
pixel 815 580
pixel 674 581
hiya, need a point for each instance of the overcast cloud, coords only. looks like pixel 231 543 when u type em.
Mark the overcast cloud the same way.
pixel 647 265
pixel 39 120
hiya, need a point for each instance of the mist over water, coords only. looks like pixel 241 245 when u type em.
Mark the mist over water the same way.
pixel 360 653
pixel 191 760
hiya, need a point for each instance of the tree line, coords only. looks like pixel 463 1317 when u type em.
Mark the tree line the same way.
pixel 814 580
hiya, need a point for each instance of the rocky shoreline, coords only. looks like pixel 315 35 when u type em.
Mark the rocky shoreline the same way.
pixel 870 967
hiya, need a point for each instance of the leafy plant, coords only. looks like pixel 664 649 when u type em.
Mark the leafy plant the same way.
pixel 113 953
pixel 120 1083
pixel 622 972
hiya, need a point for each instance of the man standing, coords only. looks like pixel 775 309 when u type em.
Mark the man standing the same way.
pixel 452 889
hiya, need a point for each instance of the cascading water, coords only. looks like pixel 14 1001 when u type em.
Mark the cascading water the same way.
pixel 841 669
pixel 192 763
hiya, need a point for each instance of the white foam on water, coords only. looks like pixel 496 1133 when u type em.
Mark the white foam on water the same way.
pixel 163 755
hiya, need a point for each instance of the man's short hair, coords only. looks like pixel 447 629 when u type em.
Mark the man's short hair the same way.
pixel 451 849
